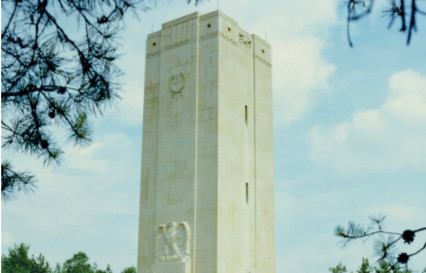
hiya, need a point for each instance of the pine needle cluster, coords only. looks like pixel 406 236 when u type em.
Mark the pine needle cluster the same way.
pixel 405 11
pixel 55 74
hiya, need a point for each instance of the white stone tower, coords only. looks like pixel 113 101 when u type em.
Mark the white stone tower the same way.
pixel 207 187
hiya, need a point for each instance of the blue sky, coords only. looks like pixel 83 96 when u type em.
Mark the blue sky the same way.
pixel 349 130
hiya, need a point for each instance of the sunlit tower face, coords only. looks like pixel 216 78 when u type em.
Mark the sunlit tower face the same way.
pixel 207 159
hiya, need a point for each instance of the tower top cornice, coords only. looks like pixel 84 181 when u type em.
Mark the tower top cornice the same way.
pixel 201 17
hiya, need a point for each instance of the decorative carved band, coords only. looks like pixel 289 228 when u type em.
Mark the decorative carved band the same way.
pixel 242 40
pixel 221 34
pixel 177 44
pixel 171 46
pixel 152 54
pixel 227 38
pixel 245 40
pixel 208 36
pixel 262 60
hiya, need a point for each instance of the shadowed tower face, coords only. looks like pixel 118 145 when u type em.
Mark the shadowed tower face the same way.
pixel 206 203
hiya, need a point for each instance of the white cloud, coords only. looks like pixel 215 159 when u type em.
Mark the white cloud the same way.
pixel 389 138
pixel 287 17
pixel 129 109
pixel 298 33
pixel 300 72
pixel 307 212
pixel 399 214
pixel 83 158
pixel 91 195
pixel 100 156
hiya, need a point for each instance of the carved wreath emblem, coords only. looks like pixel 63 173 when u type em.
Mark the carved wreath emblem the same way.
pixel 177 83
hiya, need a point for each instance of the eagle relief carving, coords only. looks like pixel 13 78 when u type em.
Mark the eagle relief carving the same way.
pixel 172 242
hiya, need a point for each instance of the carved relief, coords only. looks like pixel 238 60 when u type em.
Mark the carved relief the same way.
pixel 177 83
pixel 153 47
pixel 262 60
pixel 172 242
pixel 152 54
pixel 177 44
pixel 245 40
pixel 208 36
pixel 227 38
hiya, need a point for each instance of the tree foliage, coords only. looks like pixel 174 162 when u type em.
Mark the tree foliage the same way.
pixel 365 267
pixel 340 268
pixel 131 269
pixel 13 181
pixel 404 11
pixel 18 261
pixel 79 263
pixel 386 242
pixel 54 74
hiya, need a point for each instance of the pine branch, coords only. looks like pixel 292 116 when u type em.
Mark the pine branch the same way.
pixel 13 181
pixel 385 248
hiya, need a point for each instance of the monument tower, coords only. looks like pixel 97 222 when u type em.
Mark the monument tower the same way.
pixel 207 203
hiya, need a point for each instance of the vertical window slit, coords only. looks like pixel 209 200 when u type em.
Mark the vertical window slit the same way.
pixel 246 115
pixel 247 193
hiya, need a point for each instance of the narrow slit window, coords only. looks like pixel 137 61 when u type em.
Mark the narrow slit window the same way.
pixel 246 115
pixel 247 193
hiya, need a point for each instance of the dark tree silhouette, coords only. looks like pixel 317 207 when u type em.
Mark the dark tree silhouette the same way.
pixel 386 244
pixel 131 269
pixel 405 11
pixel 18 261
pixel 55 75
pixel 365 267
